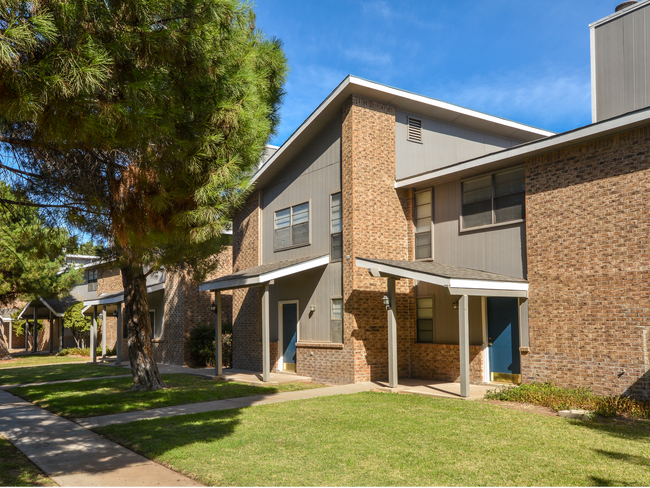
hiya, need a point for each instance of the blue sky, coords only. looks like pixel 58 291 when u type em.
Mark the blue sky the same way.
pixel 525 60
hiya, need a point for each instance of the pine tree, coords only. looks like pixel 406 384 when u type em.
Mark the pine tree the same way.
pixel 138 122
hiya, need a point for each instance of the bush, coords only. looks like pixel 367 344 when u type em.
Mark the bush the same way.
pixel 202 344
pixel 77 351
pixel 557 398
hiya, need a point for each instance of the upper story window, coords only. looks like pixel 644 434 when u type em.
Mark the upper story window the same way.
pixel 291 226
pixel 336 227
pixel 92 280
pixel 423 213
pixel 494 199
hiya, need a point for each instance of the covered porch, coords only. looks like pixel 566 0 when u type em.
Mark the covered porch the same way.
pixel 263 277
pixel 460 284
pixel 50 309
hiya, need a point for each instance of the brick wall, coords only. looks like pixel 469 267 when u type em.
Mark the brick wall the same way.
pixel 442 362
pixel 376 223
pixel 588 240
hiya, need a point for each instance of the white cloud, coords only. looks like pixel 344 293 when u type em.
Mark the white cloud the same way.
pixel 368 57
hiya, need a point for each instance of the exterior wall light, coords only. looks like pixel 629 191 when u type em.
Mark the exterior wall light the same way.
pixel 312 308
pixel 115 313
pixel 386 302
pixel 213 307
pixel 454 305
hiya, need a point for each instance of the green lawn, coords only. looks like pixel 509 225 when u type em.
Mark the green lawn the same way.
pixel 108 396
pixel 56 372
pixel 17 470
pixel 391 440
pixel 18 361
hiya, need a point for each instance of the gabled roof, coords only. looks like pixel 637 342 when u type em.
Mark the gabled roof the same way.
pixel 401 99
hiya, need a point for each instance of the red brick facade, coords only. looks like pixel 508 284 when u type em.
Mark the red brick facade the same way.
pixel 588 239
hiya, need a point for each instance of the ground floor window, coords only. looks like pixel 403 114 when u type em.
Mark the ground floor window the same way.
pixel 337 320
pixel 425 319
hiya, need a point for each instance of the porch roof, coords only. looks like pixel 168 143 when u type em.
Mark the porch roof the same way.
pixel 57 306
pixel 115 298
pixel 457 280
pixel 265 273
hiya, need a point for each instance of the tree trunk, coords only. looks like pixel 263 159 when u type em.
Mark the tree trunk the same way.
pixel 4 348
pixel 136 319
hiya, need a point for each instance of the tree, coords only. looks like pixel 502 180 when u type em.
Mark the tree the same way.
pixel 138 122
pixel 77 323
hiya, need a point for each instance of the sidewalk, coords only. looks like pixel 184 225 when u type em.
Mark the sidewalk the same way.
pixel 74 456
pixel 123 418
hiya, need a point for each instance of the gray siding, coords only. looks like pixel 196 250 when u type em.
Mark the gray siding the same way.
pixel 82 291
pixel 442 144
pixel 498 249
pixel 622 57
pixel 314 287
pixel 445 322
pixel 311 176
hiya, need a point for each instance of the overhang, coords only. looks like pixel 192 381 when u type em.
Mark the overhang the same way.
pixel 402 100
pixel 117 297
pixel 45 306
pixel 518 154
pixel 260 275
pixel 456 280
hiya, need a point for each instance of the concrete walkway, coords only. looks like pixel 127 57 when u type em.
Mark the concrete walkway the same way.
pixel 123 418
pixel 74 456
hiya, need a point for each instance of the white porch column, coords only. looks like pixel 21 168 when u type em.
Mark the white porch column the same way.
pixel 392 335
pixel 51 341
pixel 11 332
pixel 104 333
pixel 35 335
pixel 120 334
pixel 463 343
pixel 266 344
pixel 59 322
pixel 218 338
pixel 93 336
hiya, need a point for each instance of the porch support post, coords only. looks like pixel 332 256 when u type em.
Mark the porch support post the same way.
pixel 11 332
pixel 27 333
pixel 104 333
pixel 51 341
pixel 392 335
pixel 463 336
pixel 218 337
pixel 120 334
pixel 266 344
pixel 60 322
pixel 93 336
pixel 35 335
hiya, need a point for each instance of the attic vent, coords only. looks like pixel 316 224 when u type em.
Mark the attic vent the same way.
pixel 414 130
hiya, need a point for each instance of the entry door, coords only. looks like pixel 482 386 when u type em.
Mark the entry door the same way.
pixel 503 339
pixel 289 321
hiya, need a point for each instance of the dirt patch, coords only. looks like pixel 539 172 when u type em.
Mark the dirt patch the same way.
pixel 525 407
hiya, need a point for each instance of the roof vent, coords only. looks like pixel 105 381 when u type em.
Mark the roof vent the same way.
pixel 414 130
pixel 624 5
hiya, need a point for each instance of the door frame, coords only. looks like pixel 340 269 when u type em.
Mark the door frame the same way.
pixel 280 330
pixel 487 367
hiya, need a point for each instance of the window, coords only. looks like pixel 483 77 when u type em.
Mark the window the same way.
pixel 425 319
pixel 337 320
pixel 92 280
pixel 494 199
pixel 155 329
pixel 292 226
pixel 423 213
pixel 336 227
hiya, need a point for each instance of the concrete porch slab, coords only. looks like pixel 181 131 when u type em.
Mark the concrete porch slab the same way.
pixel 435 388
pixel 240 375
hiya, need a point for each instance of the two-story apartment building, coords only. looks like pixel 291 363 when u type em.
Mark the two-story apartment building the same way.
pixel 394 235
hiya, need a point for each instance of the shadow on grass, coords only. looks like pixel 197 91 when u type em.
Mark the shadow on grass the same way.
pixel 57 372
pixel 638 430
pixel 154 438
pixel 628 458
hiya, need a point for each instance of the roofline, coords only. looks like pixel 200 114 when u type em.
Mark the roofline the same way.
pixel 83 256
pixel 618 14
pixel 351 82
pixel 117 297
pixel 518 153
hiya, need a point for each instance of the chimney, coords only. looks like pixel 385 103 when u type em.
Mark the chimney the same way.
pixel 623 5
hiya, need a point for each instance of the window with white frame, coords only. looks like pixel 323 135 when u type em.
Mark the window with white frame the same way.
pixel 494 199
pixel 423 218
pixel 336 227
pixel 291 226
pixel 337 320
pixel 425 319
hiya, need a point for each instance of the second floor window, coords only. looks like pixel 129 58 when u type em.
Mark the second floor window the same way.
pixel 92 280
pixel 336 227
pixel 494 199
pixel 291 226
pixel 423 213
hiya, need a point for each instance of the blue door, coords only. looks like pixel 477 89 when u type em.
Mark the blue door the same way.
pixel 503 339
pixel 289 335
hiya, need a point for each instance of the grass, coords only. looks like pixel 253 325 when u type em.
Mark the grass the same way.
pixel 109 396
pixel 385 439
pixel 17 470
pixel 38 360
pixel 57 372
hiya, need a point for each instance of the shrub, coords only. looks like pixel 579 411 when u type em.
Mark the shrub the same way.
pixel 202 344
pixel 76 351
pixel 557 398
